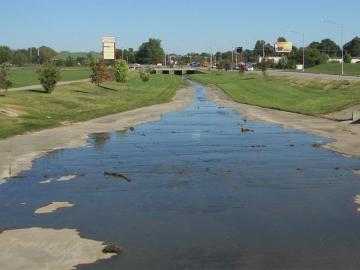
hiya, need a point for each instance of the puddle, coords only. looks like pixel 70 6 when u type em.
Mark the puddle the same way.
pixel 203 195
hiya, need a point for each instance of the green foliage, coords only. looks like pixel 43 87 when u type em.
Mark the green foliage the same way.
pixel 5 54
pixel 353 47
pixel 144 75
pixel 314 57
pixel 49 75
pixel 281 39
pixel 347 58
pixel 20 58
pixel 264 66
pixel 5 72
pixel 46 54
pixel 99 73
pixel 150 52
pixel 121 71
pixel 326 46
pixel 70 62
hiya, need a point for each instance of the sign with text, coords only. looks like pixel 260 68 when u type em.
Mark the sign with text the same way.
pixel 283 47
pixel 108 48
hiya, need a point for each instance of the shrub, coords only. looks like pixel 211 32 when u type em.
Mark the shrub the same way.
pixel 49 75
pixel 347 58
pixel 144 75
pixel 121 71
pixel 5 82
pixel 264 66
pixel 99 73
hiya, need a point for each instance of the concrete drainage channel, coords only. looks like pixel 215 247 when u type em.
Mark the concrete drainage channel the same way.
pixel 209 189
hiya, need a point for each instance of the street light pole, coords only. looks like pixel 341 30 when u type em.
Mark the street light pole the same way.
pixel 342 42
pixel 303 48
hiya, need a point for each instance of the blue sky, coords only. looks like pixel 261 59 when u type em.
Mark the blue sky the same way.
pixel 183 25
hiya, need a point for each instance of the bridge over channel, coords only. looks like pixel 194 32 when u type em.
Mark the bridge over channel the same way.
pixel 177 71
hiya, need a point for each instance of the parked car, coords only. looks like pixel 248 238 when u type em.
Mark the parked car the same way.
pixel 195 64
pixel 249 67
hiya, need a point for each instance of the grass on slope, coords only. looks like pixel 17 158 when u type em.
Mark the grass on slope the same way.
pixel 335 69
pixel 312 97
pixel 82 101
pixel 28 76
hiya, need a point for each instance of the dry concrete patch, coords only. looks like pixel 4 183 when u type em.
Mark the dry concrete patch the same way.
pixel 357 201
pixel 343 115
pixel 47 249
pixel 346 136
pixel 47 181
pixel 18 152
pixel 67 177
pixel 52 207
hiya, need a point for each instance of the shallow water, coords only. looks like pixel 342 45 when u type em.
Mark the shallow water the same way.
pixel 203 195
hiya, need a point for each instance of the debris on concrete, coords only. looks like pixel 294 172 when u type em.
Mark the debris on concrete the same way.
pixel 119 175
pixel 112 249
pixel 317 145
pixel 244 130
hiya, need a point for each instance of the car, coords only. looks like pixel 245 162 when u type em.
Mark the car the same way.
pixel 195 64
pixel 159 65
pixel 249 68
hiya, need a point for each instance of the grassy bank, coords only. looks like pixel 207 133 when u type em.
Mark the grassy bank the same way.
pixel 28 76
pixel 312 97
pixel 335 69
pixel 82 101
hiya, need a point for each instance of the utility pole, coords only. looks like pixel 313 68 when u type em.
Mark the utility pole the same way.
pixel 342 49
pixel 232 58
pixel 303 50
pixel 264 49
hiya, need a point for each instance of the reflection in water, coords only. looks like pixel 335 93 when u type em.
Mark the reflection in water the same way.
pixel 100 139
pixel 203 195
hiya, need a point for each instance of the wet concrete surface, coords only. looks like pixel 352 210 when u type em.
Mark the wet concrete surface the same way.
pixel 203 195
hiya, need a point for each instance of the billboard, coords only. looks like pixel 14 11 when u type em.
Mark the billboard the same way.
pixel 283 47
pixel 108 48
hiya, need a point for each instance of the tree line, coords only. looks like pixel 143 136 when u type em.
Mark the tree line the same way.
pixel 151 52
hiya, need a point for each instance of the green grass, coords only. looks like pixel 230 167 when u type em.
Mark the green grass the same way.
pixel 311 97
pixel 28 76
pixel 64 55
pixel 335 69
pixel 82 101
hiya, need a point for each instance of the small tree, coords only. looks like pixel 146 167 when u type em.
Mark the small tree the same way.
pixel 347 58
pixel 264 66
pixel 99 73
pixel 49 75
pixel 5 82
pixel 121 71
pixel 144 75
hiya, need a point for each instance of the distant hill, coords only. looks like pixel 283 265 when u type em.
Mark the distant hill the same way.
pixel 65 55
